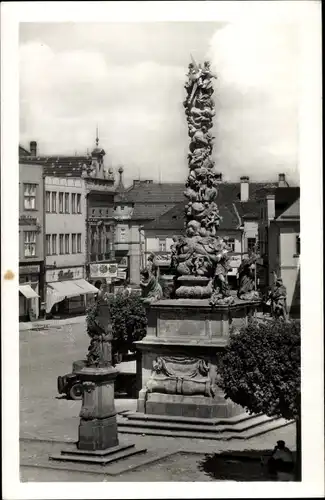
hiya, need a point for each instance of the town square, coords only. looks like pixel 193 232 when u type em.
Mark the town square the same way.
pixel 159 238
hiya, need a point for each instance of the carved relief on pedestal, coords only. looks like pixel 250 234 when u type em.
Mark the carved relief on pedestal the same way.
pixel 88 409
pixel 182 375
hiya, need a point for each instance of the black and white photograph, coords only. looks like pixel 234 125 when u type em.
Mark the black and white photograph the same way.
pixel 156 212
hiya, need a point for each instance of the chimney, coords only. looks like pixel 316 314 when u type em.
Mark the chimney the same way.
pixel 244 188
pixel 282 181
pixel 270 199
pixel 33 148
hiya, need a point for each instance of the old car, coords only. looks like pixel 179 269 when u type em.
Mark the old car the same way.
pixel 70 384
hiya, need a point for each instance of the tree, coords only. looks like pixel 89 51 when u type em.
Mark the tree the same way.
pixel 129 321
pixel 260 370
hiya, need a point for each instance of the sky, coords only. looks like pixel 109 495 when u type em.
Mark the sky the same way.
pixel 128 79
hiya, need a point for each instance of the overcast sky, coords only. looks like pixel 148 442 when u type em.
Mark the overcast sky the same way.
pixel 129 79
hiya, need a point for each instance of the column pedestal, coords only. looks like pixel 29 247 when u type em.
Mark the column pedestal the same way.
pixel 180 358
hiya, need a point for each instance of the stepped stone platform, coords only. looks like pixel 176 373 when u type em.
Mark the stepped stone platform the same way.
pixel 102 457
pixel 243 426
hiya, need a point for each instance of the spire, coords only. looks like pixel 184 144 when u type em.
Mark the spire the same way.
pixel 120 187
pixel 97 138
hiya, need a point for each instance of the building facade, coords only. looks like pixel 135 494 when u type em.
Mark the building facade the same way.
pixel 31 240
pixel 280 242
pixel 65 243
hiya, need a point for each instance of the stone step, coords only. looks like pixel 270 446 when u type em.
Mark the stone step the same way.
pixel 103 460
pixel 263 428
pixel 238 427
pixel 188 420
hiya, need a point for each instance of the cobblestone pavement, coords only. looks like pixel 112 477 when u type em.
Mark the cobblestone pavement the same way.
pixel 46 354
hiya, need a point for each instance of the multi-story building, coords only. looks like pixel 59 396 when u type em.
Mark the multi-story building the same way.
pixel 65 208
pixel 134 207
pixel 31 239
pixel 280 241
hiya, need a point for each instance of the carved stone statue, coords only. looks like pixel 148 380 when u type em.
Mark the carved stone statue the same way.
pixel 246 275
pixel 278 297
pixel 150 287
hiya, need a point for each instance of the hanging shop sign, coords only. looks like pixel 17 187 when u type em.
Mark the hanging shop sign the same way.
pixel 103 270
pixel 72 273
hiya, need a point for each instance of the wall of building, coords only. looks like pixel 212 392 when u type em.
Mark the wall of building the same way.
pixel 31 174
pixel 136 254
pixel 31 268
pixel 66 223
pixel 283 259
pixel 290 262
pixel 250 231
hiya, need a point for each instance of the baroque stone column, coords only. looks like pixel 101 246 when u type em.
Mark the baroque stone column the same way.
pixel 98 437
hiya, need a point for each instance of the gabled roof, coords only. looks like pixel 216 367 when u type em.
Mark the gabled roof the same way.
pixel 147 212
pixel 284 198
pixel 61 166
pixel 23 152
pixel 151 192
pixel 228 196
pixel 293 212
pixel 174 219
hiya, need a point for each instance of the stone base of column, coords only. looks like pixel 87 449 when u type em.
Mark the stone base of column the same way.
pixel 98 437
pixel 101 457
pixel 97 434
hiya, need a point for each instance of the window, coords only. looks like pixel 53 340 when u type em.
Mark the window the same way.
pixel 73 203
pixel 231 244
pixel 79 243
pixel 48 244
pixel 122 207
pixel 67 238
pixel 48 201
pixel 78 203
pixel 61 203
pixel 53 244
pixel 162 245
pixel 61 249
pixel 298 244
pixel 251 244
pixel 29 243
pixel 54 201
pixel 123 234
pixel 66 203
pixel 30 196
pixel 73 243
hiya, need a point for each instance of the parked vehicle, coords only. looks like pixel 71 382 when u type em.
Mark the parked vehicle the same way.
pixel 70 384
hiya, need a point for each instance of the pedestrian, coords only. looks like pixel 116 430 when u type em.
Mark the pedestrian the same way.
pixel 281 459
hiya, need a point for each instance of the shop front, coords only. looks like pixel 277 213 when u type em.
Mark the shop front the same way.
pixel 29 292
pixel 67 291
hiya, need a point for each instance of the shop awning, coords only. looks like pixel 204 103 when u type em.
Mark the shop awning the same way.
pixel 28 292
pixel 66 289
pixel 85 286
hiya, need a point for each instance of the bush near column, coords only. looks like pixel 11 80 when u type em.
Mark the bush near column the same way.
pixel 260 370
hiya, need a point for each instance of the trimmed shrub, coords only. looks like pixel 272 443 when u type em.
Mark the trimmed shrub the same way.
pixel 260 368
